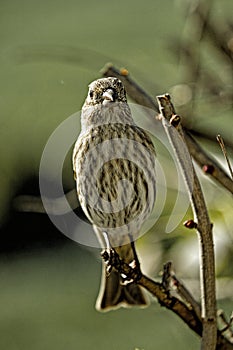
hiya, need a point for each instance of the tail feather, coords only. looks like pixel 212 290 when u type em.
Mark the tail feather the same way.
pixel 113 294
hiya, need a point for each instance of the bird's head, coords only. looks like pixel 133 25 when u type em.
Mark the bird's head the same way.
pixel 105 91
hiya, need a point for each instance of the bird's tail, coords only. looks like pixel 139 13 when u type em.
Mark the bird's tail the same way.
pixel 114 294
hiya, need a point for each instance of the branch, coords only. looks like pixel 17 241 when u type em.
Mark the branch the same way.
pixel 226 325
pixel 132 88
pixel 184 309
pixel 181 289
pixel 54 206
pixel 207 164
pixel 187 314
pixel 198 154
pixel 204 226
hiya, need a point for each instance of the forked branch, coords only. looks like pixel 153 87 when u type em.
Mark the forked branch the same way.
pixel 184 306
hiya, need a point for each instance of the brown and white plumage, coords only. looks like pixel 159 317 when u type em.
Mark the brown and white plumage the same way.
pixel 113 162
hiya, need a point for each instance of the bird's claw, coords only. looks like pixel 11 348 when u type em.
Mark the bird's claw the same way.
pixel 129 272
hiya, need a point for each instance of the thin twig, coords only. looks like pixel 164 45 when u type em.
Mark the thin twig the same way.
pixel 210 136
pixel 224 151
pixel 181 289
pixel 204 228
pixel 207 164
pixel 226 325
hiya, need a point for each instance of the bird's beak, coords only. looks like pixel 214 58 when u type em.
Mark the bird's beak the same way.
pixel 108 96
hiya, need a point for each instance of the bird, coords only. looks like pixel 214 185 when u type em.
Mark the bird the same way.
pixel 114 168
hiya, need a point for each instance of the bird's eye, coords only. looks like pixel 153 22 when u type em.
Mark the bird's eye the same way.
pixel 91 94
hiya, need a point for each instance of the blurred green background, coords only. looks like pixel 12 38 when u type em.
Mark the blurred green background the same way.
pixel 49 52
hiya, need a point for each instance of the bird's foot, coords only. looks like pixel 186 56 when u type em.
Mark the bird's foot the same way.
pixel 129 272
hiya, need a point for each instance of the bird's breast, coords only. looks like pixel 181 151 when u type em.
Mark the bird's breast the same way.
pixel 115 174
